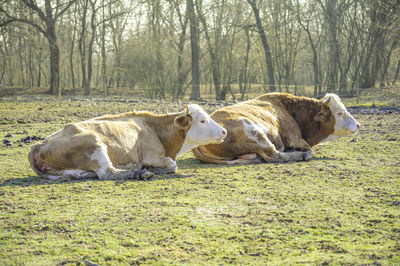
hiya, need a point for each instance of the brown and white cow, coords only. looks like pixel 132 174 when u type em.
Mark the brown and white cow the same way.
pixel 103 145
pixel 277 127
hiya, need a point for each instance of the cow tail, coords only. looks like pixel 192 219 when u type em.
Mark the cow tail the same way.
pixel 35 149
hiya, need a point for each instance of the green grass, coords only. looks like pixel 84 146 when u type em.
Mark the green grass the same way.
pixel 342 207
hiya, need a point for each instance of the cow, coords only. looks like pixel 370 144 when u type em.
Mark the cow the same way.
pixel 105 146
pixel 277 127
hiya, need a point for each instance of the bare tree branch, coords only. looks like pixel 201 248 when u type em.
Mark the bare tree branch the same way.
pixel 6 22
pixel 12 19
pixel 32 5
pixel 70 3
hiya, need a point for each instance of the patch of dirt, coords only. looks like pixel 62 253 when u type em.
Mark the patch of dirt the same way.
pixel 373 110
pixel 26 140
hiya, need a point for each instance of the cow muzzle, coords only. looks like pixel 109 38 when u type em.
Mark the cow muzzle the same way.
pixel 222 133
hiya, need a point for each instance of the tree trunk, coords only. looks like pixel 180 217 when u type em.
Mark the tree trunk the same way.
pixel 315 66
pixel 386 63
pixel 397 73
pixel 103 52
pixel 21 60
pixel 90 48
pixel 243 70
pixel 267 51
pixel 214 57
pixel 54 68
pixel 82 48
pixel 39 68
pixel 194 38
pixel 30 64
pixel 181 74
pixel 54 59
pixel 71 61
pixel 333 54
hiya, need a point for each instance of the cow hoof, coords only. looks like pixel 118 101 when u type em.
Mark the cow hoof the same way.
pixel 143 174
pixel 307 155
pixel 147 175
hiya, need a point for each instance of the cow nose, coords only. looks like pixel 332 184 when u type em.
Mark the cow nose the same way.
pixel 358 125
pixel 223 132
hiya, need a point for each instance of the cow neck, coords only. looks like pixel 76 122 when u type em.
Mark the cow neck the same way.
pixel 303 110
pixel 171 136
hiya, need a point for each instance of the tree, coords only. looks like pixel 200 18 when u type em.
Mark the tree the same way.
pixel 243 74
pixel 384 22
pixel 48 17
pixel 72 45
pixel 86 53
pixel 287 38
pixel 194 39
pixel 336 45
pixel 267 51
pixel 118 19
pixel 82 43
pixel 304 22
pixel 220 37
pixel 183 19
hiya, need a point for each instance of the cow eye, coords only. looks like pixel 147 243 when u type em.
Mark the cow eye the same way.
pixel 339 114
pixel 203 121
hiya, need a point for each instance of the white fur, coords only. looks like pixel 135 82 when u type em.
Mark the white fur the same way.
pixel 172 165
pixel 201 133
pixel 53 177
pixel 251 130
pixel 101 157
pixel 344 121
pixel 74 172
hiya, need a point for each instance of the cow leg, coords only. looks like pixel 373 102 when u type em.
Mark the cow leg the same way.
pixel 297 143
pixel 77 174
pixel 292 137
pixel 105 170
pixel 160 164
pixel 273 155
pixel 263 147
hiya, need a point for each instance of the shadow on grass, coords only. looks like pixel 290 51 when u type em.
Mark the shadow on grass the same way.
pixel 155 178
pixel 188 163
pixel 323 158
pixel 39 181
pixel 193 162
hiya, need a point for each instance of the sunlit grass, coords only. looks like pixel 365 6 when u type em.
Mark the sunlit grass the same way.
pixel 342 207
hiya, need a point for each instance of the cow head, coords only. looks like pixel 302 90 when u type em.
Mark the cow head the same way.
pixel 201 129
pixel 344 121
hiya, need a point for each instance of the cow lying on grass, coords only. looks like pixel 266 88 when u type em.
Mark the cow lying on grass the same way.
pixel 101 146
pixel 277 127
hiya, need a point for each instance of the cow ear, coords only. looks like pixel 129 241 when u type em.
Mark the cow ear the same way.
pixel 320 116
pixel 326 100
pixel 183 121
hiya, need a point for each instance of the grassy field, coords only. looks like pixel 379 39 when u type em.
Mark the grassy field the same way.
pixel 342 207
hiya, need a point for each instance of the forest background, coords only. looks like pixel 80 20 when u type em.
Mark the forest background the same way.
pixel 188 48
